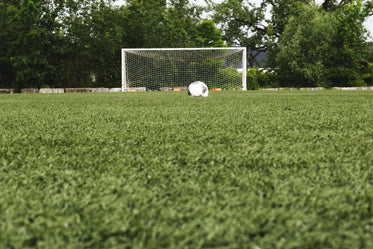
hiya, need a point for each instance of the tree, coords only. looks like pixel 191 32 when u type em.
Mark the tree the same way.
pixel 144 20
pixel 94 32
pixel 75 70
pixel 207 35
pixel 6 71
pixel 349 44
pixel 32 30
pixel 71 43
pixel 175 23
pixel 241 24
pixel 180 24
pixel 31 43
pixel 306 48
pixel 245 25
pixel 368 56
pixel 323 47
pixel 106 38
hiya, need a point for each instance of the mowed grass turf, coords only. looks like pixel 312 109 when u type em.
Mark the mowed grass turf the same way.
pixel 252 169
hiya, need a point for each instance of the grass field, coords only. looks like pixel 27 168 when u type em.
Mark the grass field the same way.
pixel 291 169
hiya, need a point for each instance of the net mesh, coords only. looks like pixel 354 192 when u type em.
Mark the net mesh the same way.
pixel 170 69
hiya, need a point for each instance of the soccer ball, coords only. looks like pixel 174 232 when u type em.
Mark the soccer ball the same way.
pixel 198 89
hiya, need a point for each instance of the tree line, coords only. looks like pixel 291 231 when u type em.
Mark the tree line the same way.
pixel 306 44
pixel 75 43
pixel 70 43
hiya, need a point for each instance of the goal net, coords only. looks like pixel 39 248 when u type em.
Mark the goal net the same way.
pixel 175 68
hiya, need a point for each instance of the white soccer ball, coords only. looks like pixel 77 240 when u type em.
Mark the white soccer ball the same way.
pixel 198 89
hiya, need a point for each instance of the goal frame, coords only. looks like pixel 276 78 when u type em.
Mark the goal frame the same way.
pixel 123 55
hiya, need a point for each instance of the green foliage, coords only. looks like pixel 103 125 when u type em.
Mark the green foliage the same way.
pixel 349 44
pixel 70 43
pixel 30 34
pixel 207 35
pixel 323 48
pixel 237 19
pixel 94 36
pixel 368 75
pixel 282 11
pixel 308 62
pixel 305 48
pixel 251 79
pixel 257 78
pixel 341 76
pixel 268 79
pixel 7 76
pixel 104 42
pixel 181 22
pixel 368 56
pixel 143 23
pixel 245 24
pixel 163 170
pixel 153 24
pixel 225 77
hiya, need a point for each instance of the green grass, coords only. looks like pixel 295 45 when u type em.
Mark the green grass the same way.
pixel 290 169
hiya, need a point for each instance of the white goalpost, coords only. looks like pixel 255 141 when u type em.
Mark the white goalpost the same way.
pixel 155 69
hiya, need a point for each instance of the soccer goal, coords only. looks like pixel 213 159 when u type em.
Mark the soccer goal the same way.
pixel 167 69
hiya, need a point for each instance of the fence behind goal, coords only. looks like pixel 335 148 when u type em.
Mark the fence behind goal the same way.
pixel 155 69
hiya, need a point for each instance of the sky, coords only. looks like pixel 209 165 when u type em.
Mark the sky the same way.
pixel 368 24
